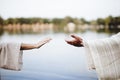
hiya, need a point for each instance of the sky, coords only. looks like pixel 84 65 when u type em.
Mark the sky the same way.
pixel 88 9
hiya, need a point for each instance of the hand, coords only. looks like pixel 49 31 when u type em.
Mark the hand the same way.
pixel 25 46
pixel 41 43
pixel 78 42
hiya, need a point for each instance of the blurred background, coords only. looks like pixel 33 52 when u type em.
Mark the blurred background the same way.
pixel 29 21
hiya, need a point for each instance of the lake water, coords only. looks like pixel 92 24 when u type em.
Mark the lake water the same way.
pixel 54 61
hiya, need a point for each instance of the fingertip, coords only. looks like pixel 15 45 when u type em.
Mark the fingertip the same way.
pixel 67 40
pixel 49 39
pixel 73 36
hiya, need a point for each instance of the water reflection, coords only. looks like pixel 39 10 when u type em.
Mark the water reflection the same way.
pixel 54 61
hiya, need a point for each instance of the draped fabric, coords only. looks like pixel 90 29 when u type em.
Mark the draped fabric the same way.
pixel 10 56
pixel 104 56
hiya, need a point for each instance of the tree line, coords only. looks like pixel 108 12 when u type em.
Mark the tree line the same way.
pixel 110 21
pixel 104 21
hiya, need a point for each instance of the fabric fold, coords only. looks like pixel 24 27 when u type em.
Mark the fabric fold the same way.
pixel 104 56
pixel 10 56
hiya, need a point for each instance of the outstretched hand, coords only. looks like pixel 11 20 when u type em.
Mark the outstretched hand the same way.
pixel 34 46
pixel 78 42
pixel 41 43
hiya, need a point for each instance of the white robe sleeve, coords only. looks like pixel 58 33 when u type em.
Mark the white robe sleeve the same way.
pixel 10 56
pixel 104 56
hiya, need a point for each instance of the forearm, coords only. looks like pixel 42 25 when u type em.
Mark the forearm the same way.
pixel 27 46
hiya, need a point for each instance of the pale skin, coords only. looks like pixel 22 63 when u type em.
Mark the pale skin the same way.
pixel 25 46
pixel 77 42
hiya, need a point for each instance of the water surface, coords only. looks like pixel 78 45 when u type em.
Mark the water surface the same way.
pixel 54 61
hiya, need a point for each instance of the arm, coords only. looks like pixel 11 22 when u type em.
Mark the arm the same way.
pixel 34 46
pixel 78 42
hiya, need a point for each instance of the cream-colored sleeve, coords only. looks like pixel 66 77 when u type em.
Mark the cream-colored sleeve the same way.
pixel 90 61
pixel 11 56
pixel 104 55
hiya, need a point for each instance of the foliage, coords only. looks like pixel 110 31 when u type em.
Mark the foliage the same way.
pixel 60 23
pixel 1 21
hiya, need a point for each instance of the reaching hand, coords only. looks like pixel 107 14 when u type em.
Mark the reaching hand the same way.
pixel 78 42
pixel 34 46
pixel 41 43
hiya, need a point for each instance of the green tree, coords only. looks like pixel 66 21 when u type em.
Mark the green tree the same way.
pixel 100 21
pixel 83 21
pixel 10 21
pixel 1 25
pixel 68 19
pixel 107 22
pixel 45 20
pixel 1 21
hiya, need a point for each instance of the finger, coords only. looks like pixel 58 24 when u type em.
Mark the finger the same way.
pixel 44 41
pixel 69 42
pixel 47 40
pixel 76 37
